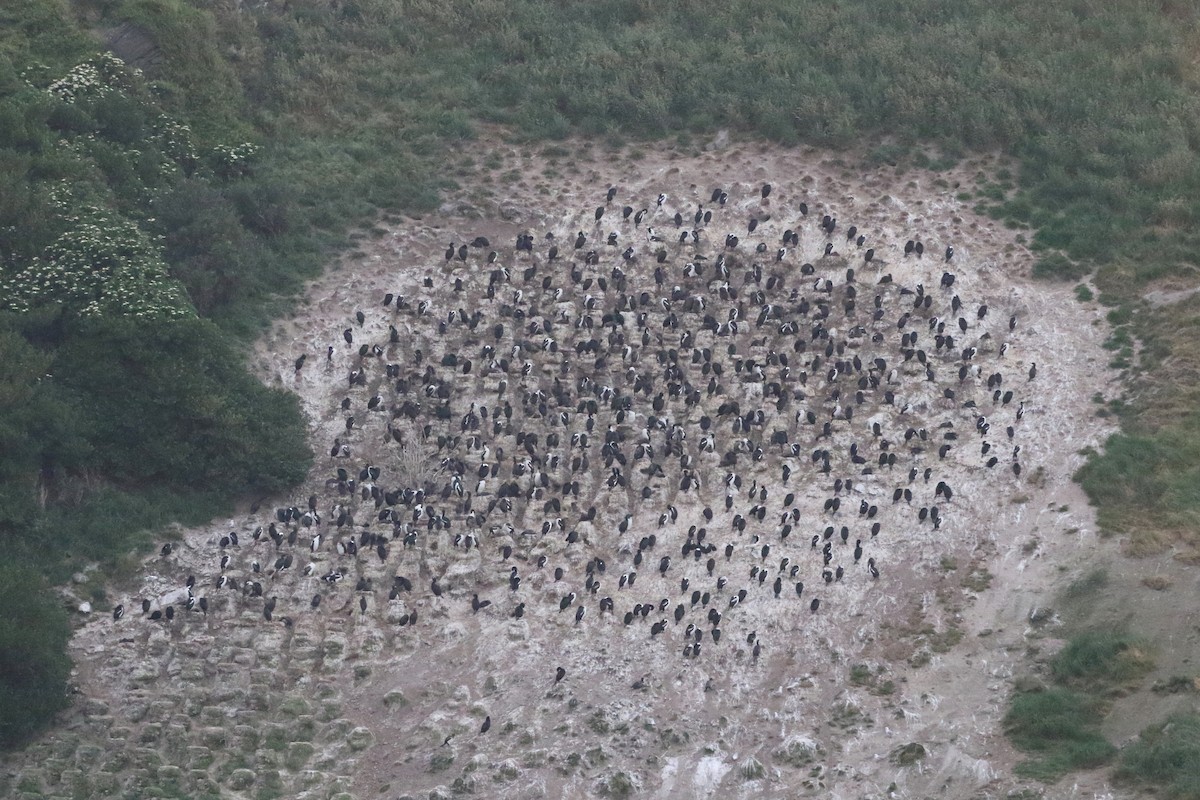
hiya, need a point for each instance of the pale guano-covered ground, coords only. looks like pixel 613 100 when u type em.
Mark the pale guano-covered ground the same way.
pixel 317 702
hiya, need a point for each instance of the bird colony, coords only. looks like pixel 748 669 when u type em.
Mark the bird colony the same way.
pixel 661 437
pixel 657 422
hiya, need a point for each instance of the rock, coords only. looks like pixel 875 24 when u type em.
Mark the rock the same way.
pixel 85 607
pixel 1040 615
pixel 720 141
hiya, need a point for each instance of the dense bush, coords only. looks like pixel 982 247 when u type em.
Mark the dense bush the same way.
pixel 33 662
pixel 121 409
pixel 169 404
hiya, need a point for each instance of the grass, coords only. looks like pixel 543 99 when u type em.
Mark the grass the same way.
pixel 1059 729
pixel 1059 726
pixel 1101 661
pixel 1165 759
pixel 1086 585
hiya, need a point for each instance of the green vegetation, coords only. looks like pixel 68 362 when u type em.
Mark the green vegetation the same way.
pixel 1059 727
pixel 32 660
pixel 121 407
pixel 1166 757
pixel 1099 660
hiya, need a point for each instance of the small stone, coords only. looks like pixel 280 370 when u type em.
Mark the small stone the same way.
pixel 720 141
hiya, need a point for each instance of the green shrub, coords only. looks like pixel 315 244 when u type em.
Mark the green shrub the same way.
pixel 1056 266
pixel 1150 477
pixel 33 662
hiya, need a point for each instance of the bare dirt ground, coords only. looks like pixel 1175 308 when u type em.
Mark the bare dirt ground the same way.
pixel 319 702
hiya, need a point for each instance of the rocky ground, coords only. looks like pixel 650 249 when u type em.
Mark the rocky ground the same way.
pixel 895 688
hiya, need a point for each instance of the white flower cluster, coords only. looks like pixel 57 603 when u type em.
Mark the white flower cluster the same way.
pixel 96 77
pixel 101 265
pixel 234 160
pixel 175 139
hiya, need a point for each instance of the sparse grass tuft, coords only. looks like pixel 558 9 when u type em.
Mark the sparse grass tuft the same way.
pixel 907 755
pixel 1176 684
pixel 753 769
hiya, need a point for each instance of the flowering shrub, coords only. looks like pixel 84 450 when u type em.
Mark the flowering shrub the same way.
pixel 95 77
pixel 101 265
pixel 234 161
pixel 175 140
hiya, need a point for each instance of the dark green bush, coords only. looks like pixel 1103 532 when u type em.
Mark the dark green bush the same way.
pixel 169 404
pixel 33 662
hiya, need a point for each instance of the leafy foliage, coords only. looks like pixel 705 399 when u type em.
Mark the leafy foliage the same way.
pixel 168 404
pixel 101 265
pixel 120 408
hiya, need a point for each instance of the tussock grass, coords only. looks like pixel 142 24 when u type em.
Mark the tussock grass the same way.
pixel 1100 661
pixel 1060 730
pixel 1165 758
pixel 1059 726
